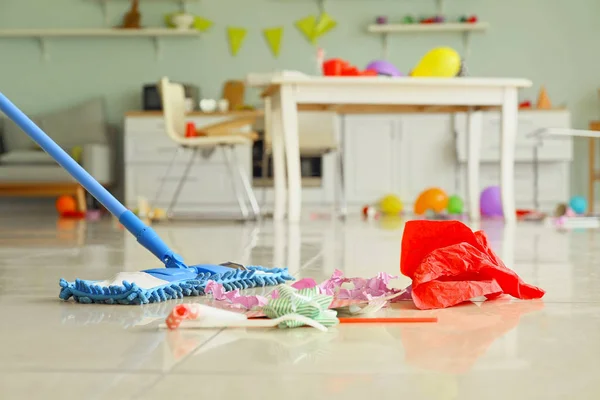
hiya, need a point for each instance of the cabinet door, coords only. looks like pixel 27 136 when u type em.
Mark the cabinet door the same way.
pixel 369 152
pixel 430 156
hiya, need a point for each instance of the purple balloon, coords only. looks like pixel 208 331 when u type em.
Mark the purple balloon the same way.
pixel 383 67
pixel 490 202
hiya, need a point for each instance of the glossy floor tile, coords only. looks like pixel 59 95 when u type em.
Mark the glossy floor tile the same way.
pixel 501 349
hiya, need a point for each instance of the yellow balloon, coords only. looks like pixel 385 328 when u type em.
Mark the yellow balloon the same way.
pixel 443 62
pixel 390 205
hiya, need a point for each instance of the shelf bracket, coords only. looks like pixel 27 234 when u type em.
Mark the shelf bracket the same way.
pixel 182 6
pixel 466 44
pixel 157 47
pixel 439 7
pixel 104 5
pixel 384 46
pixel 43 49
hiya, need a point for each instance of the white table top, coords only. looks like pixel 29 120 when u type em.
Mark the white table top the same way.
pixel 298 78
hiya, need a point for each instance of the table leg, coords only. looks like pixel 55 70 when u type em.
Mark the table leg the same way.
pixel 474 125
pixel 591 173
pixel 289 118
pixel 510 110
pixel 274 125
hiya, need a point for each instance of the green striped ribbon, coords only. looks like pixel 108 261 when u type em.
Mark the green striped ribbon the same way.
pixel 306 302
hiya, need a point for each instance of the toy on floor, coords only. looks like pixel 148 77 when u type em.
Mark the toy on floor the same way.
pixel 390 205
pixel 370 212
pixel 578 204
pixel 490 202
pixel 65 204
pixel 154 285
pixel 433 199
pixel 383 68
pixel 455 205
pixel 443 62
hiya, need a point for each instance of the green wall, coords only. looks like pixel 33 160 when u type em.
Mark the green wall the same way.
pixel 552 42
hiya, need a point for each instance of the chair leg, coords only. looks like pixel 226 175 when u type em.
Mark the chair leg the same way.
pixel 246 184
pixel 181 182
pixel 240 197
pixel 165 178
pixel 80 198
pixel 340 200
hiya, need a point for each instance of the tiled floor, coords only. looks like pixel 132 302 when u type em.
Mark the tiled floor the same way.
pixel 499 350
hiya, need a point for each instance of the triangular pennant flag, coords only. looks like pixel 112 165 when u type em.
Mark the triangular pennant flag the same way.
pixel 307 25
pixel 273 37
pixel 324 25
pixel 202 24
pixel 236 39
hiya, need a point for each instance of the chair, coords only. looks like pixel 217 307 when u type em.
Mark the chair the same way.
pixel 318 133
pixel 173 104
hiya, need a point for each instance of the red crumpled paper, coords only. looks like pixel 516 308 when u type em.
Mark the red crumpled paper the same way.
pixel 450 264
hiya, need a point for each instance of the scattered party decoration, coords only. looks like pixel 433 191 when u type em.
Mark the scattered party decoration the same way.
pixel 443 62
pixel 390 205
pixel 383 68
pixel 273 37
pixel 432 199
pixel 490 202
pixel 455 205
pixel 236 38
pixel 339 67
pixel 450 264
pixel 578 204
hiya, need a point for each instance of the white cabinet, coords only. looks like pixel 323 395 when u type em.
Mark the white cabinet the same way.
pixel 148 152
pixel 407 153
pixel 371 146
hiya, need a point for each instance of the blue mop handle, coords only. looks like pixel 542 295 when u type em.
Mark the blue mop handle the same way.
pixel 145 235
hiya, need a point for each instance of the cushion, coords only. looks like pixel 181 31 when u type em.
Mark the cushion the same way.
pixel 75 126
pixel 70 127
pixel 30 157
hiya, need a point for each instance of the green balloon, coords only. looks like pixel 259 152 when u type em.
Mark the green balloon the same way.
pixel 455 205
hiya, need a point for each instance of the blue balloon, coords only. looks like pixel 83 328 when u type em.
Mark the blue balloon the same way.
pixel 578 204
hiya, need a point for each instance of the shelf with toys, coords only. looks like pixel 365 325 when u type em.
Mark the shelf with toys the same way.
pixel 437 23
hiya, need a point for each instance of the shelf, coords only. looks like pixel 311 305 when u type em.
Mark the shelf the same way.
pixel 465 28
pixel 42 34
pixel 422 28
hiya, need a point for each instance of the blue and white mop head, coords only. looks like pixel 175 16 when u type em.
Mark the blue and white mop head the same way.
pixel 162 284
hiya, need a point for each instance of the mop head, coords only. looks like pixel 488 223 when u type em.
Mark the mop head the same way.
pixel 162 284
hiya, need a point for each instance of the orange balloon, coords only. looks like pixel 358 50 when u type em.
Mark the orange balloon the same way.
pixel 66 204
pixel 434 199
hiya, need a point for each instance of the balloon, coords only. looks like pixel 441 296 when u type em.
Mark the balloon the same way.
pixel 578 204
pixel 490 202
pixel 434 199
pixel 65 204
pixel 384 68
pixel 443 62
pixel 455 205
pixel 390 205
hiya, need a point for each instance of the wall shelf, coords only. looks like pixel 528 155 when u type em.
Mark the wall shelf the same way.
pixel 465 28
pixel 42 35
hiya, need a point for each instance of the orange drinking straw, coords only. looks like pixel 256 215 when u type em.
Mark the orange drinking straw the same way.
pixel 387 320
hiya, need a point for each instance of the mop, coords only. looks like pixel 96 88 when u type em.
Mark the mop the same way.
pixel 149 286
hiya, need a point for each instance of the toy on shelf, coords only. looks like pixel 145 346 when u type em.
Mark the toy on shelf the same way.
pixel 390 205
pixel 578 204
pixel 436 19
pixel 339 67
pixel 408 19
pixel 443 62
pixel 381 20
pixel 543 102
pixel 455 205
pixel 433 199
pixel 383 68
pixel 132 19
pixel 490 202
pixel 525 105
pixel 468 20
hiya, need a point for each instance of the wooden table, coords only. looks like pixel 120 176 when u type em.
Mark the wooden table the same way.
pixel 289 91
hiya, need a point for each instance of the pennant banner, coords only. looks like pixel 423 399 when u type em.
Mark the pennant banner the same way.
pixel 236 38
pixel 202 24
pixel 273 37
pixel 313 27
